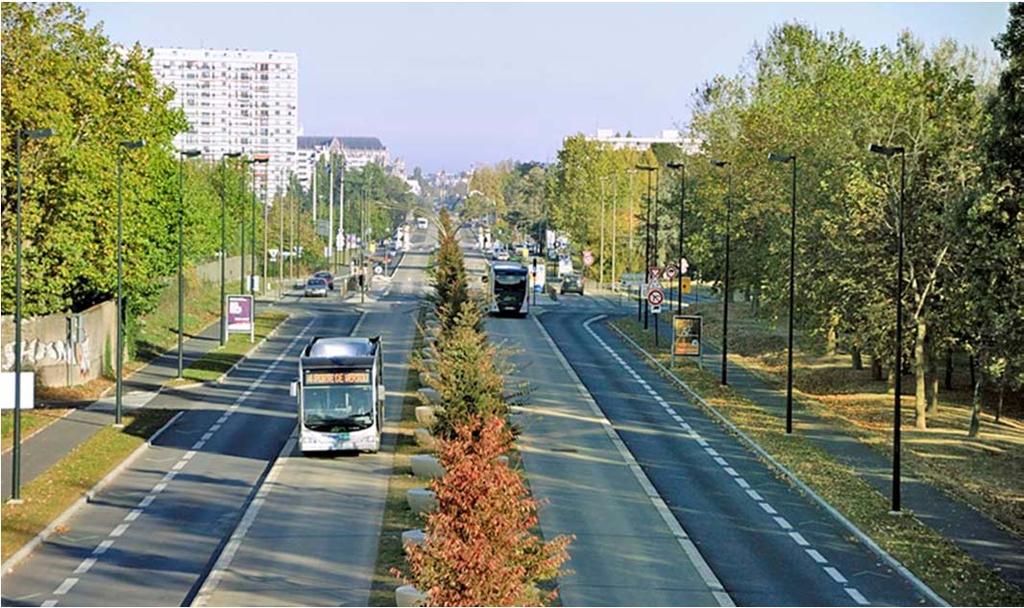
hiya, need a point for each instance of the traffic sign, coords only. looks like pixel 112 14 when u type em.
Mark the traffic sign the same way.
pixel 588 258
pixel 670 272
pixel 656 309
pixel 655 296
pixel 654 284
pixel 654 272
pixel 687 285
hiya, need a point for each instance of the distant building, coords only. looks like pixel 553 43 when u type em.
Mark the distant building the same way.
pixel 357 151
pixel 236 101
pixel 631 142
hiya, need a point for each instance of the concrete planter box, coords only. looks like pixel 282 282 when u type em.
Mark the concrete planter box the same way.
pixel 425 378
pixel 408 596
pixel 425 465
pixel 413 537
pixel 427 360
pixel 424 439
pixel 431 395
pixel 503 460
pixel 421 500
pixel 425 415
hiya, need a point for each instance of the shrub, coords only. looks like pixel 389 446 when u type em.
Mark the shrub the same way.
pixel 480 551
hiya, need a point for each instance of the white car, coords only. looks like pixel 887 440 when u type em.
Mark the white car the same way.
pixel 316 287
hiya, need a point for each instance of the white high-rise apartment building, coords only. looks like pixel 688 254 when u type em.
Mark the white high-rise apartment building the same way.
pixel 236 101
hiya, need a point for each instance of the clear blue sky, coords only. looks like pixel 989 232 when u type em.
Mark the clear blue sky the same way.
pixel 448 85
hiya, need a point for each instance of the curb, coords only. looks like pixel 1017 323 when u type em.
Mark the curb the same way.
pixel 98 487
pixel 875 548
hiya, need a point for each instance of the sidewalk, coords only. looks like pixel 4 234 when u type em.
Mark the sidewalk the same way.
pixel 968 528
pixel 49 445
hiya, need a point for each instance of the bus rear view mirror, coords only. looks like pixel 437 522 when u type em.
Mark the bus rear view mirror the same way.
pixel 294 389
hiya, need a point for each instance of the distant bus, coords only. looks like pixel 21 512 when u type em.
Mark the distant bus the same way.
pixel 340 394
pixel 509 283
pixel 421 223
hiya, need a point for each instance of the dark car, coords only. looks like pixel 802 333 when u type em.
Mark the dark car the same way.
pixel 572 283
pixel 326 276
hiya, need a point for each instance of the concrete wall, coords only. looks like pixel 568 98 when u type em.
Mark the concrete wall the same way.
pixel 62 359
pixel 59 355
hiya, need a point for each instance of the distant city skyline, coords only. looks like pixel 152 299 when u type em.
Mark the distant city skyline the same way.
pixel 446 86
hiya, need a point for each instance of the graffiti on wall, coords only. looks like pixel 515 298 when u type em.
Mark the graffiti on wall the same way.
pixel 36 354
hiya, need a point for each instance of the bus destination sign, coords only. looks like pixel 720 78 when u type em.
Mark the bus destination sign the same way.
pixel 337 377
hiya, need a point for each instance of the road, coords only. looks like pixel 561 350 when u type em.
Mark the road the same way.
pixel 154 534
pixel 764 542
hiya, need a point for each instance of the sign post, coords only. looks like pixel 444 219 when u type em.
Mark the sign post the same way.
pixel 686 338
pixel 241 317
pixel 655 297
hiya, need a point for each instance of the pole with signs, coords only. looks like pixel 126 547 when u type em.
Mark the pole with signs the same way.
pixel 655 297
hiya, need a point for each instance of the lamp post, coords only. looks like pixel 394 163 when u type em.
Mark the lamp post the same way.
pixel 790 158
pixel 679 256
pixel 118 380
pixel 890 151
pixel 256 159
pixel 721 164
pixel 647 241
pixel 22 134
pixel 182 155
pixel 223 242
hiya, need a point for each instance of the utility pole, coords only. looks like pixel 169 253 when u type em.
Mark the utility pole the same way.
pixel 341 215
pixel 726 294
pixel 647 242
pixel 330 210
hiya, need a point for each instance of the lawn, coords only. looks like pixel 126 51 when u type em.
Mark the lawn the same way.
pixel 215 363
pixel 983 471
pixel 50 494
pixel 945 568
pixel 31 420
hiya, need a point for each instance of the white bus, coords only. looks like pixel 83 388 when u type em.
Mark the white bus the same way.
pixel 509 288
pixel 340 395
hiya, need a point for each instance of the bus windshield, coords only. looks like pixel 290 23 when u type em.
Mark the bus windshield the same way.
pixel 335 408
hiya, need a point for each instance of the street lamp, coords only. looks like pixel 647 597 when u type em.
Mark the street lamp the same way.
pixel 22 134
pixel 118 380
pixel 647 243
pixel 256 159
pixel 223 243
pixel 790 158
pixel 682 207
pixel 890 151
pixel 182 155
pixel 722 164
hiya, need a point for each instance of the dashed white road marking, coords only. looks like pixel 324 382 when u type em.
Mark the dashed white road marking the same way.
pixel 135 513
pixel 49 603
pixel 65 586
pixel 798 538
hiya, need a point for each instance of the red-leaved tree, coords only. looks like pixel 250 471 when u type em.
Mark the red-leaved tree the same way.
pixel 480 551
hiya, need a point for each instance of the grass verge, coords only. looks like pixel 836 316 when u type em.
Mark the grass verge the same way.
pixel 50 494
pixel 953 574
pixel 31 421
pixel 219 360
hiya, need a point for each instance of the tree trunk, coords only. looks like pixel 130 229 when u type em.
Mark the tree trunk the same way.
pixel 890 380
pixel 949 368
pixel 920 373
pixel 876 368
pixel 1002 394
pixel 933 383
pixel 975 405
pixel 974 370
pixel 858 361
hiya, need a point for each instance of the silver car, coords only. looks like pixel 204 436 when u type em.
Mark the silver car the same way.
pixel 316 287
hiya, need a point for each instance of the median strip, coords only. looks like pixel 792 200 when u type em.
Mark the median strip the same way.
pixel 217 363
